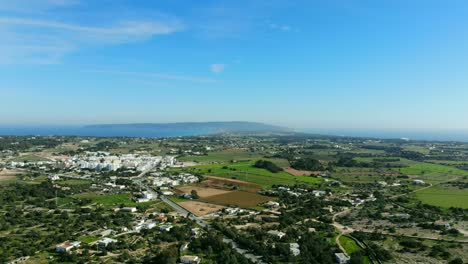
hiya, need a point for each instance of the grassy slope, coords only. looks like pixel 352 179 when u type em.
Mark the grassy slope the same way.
pixel 246 172
pixel 349 245
pixel 444 197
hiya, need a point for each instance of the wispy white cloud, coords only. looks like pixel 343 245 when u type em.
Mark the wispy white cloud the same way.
pixel 120 30
pixel 280 27
pixel 158 76
pixel 218 67
pixel 26 40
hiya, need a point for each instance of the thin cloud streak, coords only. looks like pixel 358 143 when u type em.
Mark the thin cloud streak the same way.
pixel 218 67
pixel 125 28
pixel 35 41
pixel 158 75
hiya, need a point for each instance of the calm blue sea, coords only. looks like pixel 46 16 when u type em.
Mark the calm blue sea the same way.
pixel 97 132
pixel 432 135
pixel 439 135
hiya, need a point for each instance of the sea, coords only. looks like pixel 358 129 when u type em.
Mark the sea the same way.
pixel 42 130
pixel 98 131
pixel 410 134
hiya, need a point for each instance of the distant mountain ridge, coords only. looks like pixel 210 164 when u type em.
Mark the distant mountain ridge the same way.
pixel 214 127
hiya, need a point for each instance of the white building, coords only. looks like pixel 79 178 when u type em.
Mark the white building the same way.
pixel 67 246
pixel 190 259
pixel 277 234
pixel 419 182
pixel 294 248
pixel 342 258
pixel 129 209
pixel 165 228
pixel 103 243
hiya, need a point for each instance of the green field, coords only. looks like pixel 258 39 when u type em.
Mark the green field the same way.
pixel 246 172
pixel 349 245
pixel 75 182
pixel 31 158
pixel 224 156
pixel 176 199
pixel 426 168
pixel 444 197
pixel 88 239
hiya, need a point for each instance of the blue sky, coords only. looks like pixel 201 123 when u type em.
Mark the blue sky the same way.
pixel 304 64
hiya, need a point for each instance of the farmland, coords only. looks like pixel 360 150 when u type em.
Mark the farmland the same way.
pixel 200 208
pixel 30 157
pixel 238 198
pixel 246 172
pixel 444 197
pixel 427 168
pixel 223 156
pixel 223 183
pixel 202 191
pixel 433 173
pixel 8 176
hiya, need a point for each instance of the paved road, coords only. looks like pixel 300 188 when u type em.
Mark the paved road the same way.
pixel 139 181
pixel 183 211
pixel 204 224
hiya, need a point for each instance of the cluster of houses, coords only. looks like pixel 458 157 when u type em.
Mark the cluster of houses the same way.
pixel 159 221
pixel 297 192
pixel 159 180
pixel 39 164
pixel 356 200
pixel 103 160
pixel 238 211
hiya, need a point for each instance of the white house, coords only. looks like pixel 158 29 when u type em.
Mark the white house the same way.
pixel 67 246
pixel 129 209
pixel 294 248
pixel 166 228
pixel 53 177
pixel 418 182
pixel 103 243
pixel 190 259
pixel 276 233
pixel 184 247
pixel 342 258
pixel 442 224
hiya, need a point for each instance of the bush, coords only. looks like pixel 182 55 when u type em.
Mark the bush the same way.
pixel 267 165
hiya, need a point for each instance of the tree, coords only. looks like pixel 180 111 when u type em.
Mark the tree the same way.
pixel 194 194
pixel 309 164
pixel 267 165
pixel 356 257
pixel 456 261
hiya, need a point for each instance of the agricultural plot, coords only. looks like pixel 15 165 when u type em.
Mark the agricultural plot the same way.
pixel 433 173
pixel 224 156
pixel 239 198
pixel 74 182
pixel 246 172
pixel 199 208
pixel 223 183
pixel 202 191
pixel 445 197
pixel 359 178
pixel 8 176
pixel 30 157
